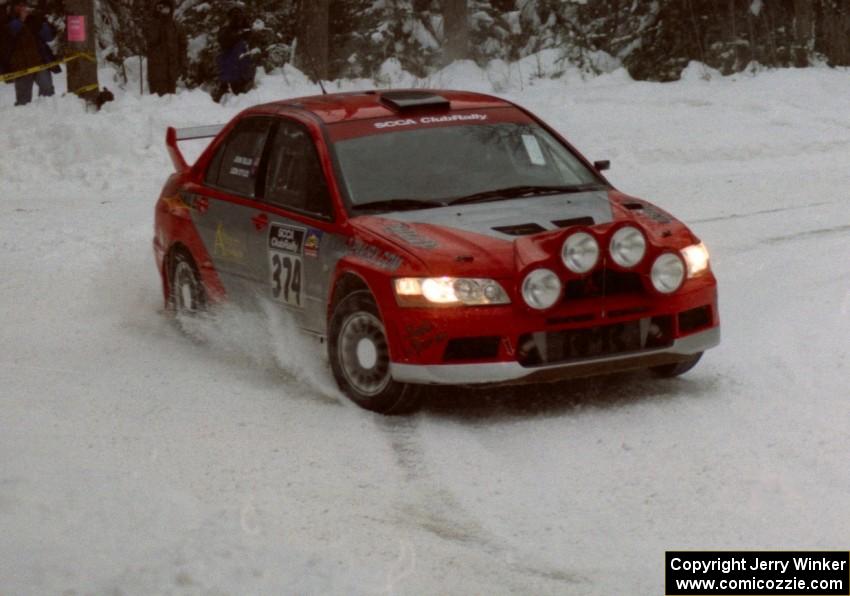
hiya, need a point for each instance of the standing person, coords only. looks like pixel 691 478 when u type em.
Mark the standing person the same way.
pixel 5 37
pixel 166 45
pixel 44 33
pixel 29 35
pixel 235 65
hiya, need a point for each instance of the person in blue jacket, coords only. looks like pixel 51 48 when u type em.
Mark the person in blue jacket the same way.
pixel 29 35
pixel 235 65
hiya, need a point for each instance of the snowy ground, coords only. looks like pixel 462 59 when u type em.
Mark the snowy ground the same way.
pixel 135 460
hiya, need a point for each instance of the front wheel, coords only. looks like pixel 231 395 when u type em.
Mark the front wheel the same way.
pixel 360 358
pixel 668 371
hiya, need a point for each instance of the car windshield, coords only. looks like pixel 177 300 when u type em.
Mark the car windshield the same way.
pixel 418 168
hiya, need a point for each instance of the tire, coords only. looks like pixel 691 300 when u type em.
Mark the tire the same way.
pixel 186 295
pixel 359 355
pixel 668 371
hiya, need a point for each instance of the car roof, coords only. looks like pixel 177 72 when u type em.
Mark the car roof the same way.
pixel 384 103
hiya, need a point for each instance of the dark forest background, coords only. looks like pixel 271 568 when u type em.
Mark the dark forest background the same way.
pixel 654 39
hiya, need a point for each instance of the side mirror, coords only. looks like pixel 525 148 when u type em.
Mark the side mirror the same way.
pixel 602 165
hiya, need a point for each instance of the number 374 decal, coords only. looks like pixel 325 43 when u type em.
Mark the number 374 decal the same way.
pixel 286 246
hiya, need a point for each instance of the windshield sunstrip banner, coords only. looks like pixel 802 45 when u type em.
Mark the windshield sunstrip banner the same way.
pixel 341 131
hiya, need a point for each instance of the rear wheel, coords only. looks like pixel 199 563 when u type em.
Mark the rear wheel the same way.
pixel 668 371
pixel 360 358
pixel 186 294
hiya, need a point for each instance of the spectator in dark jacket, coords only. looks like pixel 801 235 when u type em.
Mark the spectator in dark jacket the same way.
pixel 46 33
pixel 166 49
pixel 30 34
pixel 5 37
pixel 235 65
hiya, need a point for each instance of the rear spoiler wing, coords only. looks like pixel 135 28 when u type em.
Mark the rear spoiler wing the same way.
pixel 173 135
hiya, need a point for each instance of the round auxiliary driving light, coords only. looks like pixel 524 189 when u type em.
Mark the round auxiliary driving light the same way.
pixel 580 252
pixel 541 289
pixel 668 273
pixel 627 246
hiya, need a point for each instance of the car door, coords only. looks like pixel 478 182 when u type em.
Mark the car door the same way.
pixel 221 204
pixel 293 234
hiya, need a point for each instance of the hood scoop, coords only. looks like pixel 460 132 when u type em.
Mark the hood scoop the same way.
pixel 575 221
pixel 525 229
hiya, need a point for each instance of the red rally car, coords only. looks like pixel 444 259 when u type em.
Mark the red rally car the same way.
pixel 432 237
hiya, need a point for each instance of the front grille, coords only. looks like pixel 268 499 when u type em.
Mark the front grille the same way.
pixel 552 347
pixel 471 348
pixel 604 282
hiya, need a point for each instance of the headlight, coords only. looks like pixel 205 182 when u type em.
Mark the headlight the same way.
pixel 696 258
pixel 541 289
pixel 580 252
pixel 427 291
pixel 668 273
pixel 627 246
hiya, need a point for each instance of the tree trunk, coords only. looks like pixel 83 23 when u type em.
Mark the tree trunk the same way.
pixel 834 33
pixel 313 41
pixel 82 73
pixel 804 41
pixel 455 30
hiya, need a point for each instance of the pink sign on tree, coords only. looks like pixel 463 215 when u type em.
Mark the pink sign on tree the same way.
pixel 76 28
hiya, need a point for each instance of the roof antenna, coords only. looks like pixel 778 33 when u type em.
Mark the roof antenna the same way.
pixel 315 69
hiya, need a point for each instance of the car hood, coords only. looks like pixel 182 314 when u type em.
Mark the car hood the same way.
pixel 493 238
pixel 506 220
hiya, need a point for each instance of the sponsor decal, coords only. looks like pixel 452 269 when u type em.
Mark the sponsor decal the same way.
pixel 286 245
pixel 286 277
pixel 654 213
pixel 241 172
pixel 227 247
pixel 410 235
pixel 249 166
pixel 395 123
pixel 312 242
pixel 383 259
pixel 175 203
pixel 453 118
pixel 431 120
pixel 286 239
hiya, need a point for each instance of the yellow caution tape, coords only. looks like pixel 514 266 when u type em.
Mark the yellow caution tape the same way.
pixel 86 89
pixel 22 73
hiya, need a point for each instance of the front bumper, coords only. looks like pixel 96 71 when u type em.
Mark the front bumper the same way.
pixel 513 372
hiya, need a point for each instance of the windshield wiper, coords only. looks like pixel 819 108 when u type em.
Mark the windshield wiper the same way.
pixel 514 192
pixel 399 204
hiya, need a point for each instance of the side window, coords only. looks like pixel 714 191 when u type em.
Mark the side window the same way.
pixel 237 161
pixel 294 178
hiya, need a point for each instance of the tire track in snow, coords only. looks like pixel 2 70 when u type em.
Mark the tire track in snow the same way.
pixel 433 509
pixel 760 212
pixel 817 233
